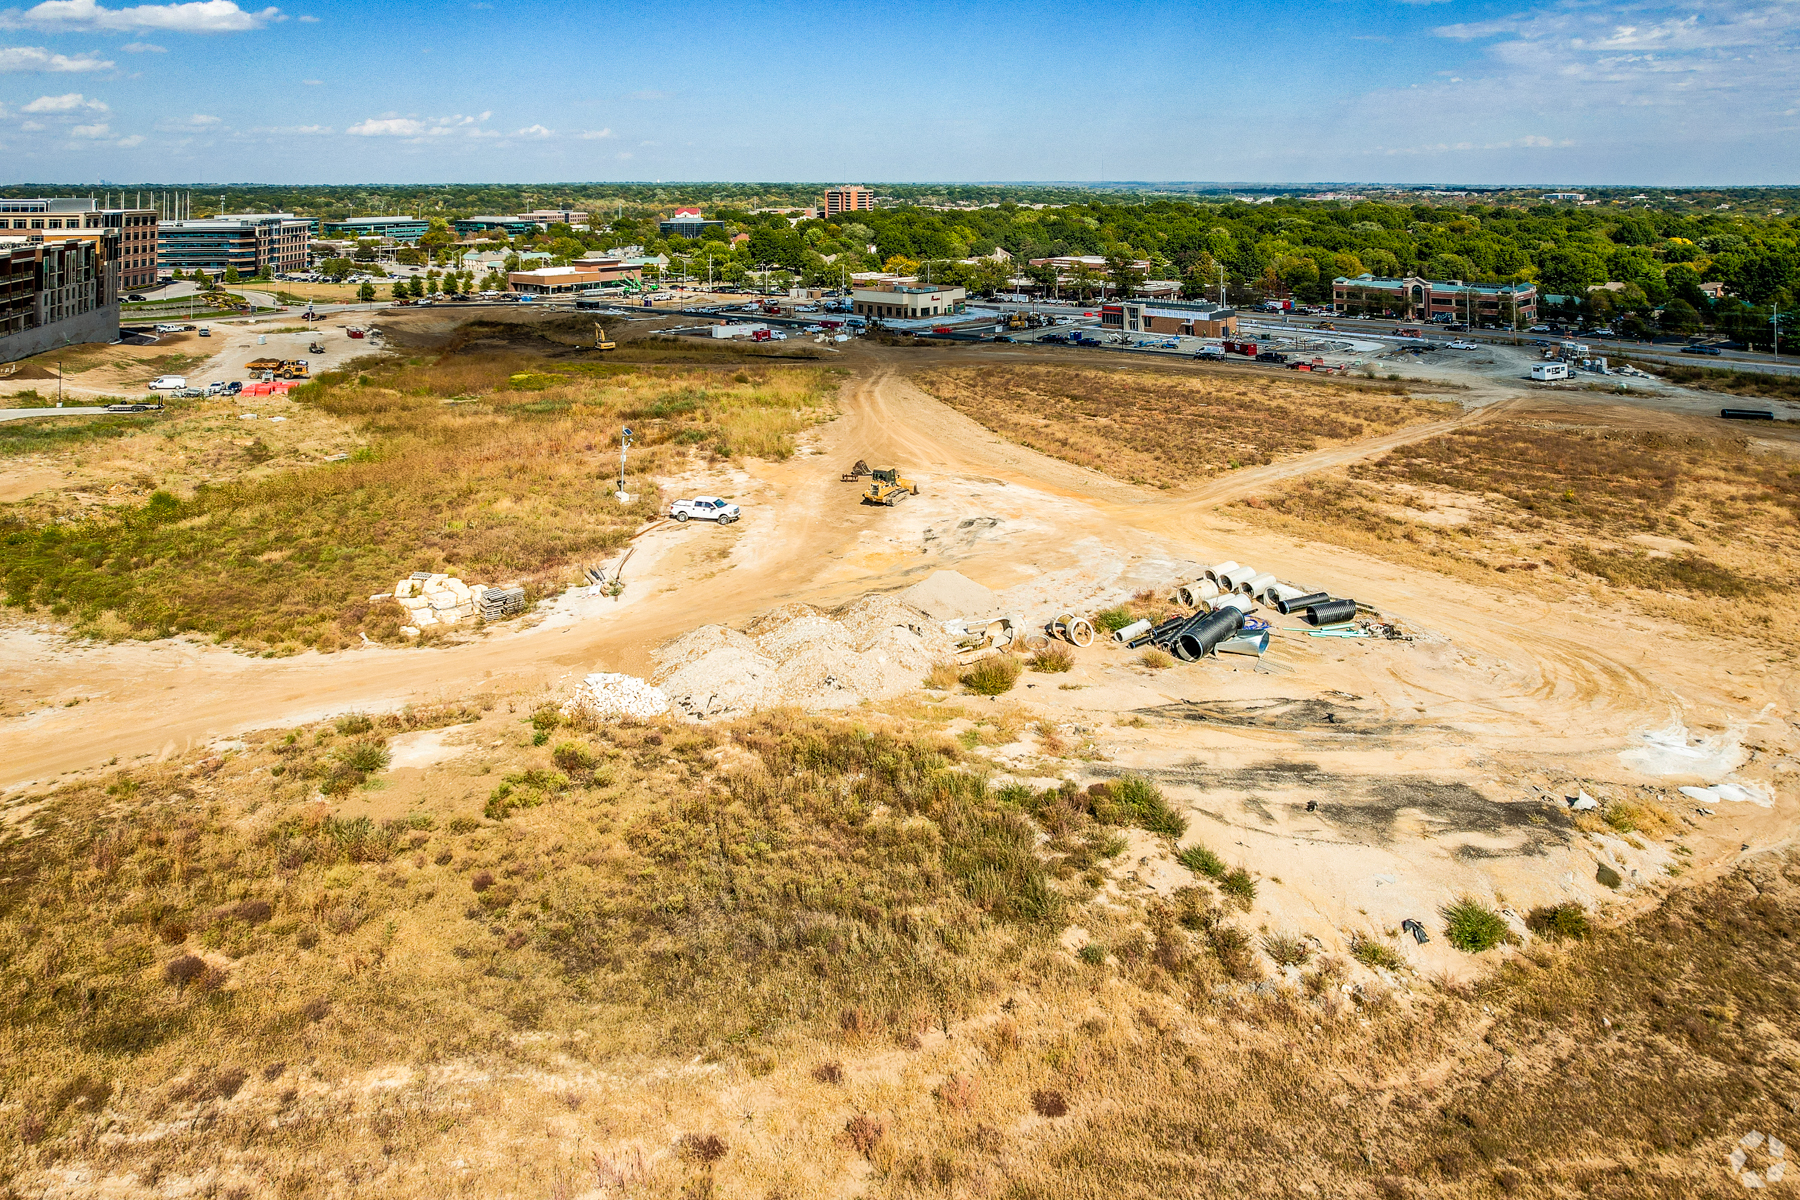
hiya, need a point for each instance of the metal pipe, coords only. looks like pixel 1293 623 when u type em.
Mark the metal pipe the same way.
pixel 1197 641
pixel 1294 604
pixel 1330 612
pixel 1245 643
pixel 1217 569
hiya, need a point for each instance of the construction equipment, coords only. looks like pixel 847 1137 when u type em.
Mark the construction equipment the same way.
pixel 279 368
pixel 887 487
pixel 316 348
pixel 601 341
pixel 857 472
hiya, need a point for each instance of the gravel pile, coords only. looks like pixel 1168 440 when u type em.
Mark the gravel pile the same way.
pixel 604 694
pixel 947 594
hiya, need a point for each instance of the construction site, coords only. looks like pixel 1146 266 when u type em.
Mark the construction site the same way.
pixel 1058 771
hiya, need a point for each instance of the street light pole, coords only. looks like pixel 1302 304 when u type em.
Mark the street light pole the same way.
pixel 624 445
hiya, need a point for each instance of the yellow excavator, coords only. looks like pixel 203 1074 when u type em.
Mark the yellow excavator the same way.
pixel 887 487
pixel 601 341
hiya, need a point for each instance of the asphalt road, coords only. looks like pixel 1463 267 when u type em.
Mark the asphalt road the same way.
pixel 20 414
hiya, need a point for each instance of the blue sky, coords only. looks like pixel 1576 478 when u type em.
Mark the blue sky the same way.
pixel 1468 91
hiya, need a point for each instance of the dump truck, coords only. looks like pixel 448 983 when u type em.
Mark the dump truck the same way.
pixel 278 368
pixel 887 487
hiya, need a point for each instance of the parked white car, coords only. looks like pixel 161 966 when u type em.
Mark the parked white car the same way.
pixel 168 383
pixel 1463 346
pixel 704 508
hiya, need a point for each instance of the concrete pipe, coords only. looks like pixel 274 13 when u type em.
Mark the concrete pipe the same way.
pixel 1330 612
pixel 1275 593
pixel 1229 580
pixel 1196 593
pixel 1294 604
pixel 1135 629
pixel 1080 632
pixel 1245 643
pixel 1217 569
pixel 1242 604
pixel 1198 639
pixel 1255 586
pixel 999 631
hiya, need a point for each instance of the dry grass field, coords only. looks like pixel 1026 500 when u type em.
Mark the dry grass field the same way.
pixel 1687 518
pixel 484 464
pixel 1172 431
pixel 795 957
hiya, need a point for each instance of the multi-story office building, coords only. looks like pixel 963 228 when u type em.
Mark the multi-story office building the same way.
pixel 847 199
pixel 248 241
pixel 52 294
pixel 401 229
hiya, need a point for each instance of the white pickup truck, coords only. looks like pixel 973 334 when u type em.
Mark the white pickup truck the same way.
pixel 704 508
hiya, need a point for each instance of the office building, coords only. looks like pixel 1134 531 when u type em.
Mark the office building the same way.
pixel 250 242
pixel 687 223
pixel 1197 319
pixel 847 199
pixel 398 228
pixel 905 302
pixel 589 273
pixel 51 295
pixel 125 238
pixel 510 226
pixel 1417 299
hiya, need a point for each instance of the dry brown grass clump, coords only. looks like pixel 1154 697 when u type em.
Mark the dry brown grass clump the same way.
pixel 1171 431
pixel 1690 525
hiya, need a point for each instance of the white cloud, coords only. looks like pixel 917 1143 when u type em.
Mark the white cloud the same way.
pixel 144 48
pixel 533 131
pixel 126 143
pixel 92 131
pixel 198 123
pixel 309 19
pixel 594 135
pixel 413 127
pixel 196 16
pixel 15 60
pixel 312 82
pixel 69 102
pixel 295 130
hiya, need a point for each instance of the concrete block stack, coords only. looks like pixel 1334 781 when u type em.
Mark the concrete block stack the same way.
pixel 437 599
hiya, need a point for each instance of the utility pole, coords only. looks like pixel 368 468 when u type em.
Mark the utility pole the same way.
pixel 624 445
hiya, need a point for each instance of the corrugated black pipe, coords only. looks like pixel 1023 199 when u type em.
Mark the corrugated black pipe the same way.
pixel 1331 612
pixel 1171 640
pixel 1157 633
pixel 1747 414
pixel 1198 640
pixel 1287 607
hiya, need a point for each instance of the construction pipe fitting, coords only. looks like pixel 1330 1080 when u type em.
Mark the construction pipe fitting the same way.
pixel 1255 586
pixel 1135 629
pixel 1198 639
pixel 1247 642
pixel 1229 580
pixel 1294 604
pixel 1330 612
pixel 1196 593
pixel 1241 604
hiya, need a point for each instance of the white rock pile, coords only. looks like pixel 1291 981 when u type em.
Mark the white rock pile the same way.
pixel 606 694
pixel 437 600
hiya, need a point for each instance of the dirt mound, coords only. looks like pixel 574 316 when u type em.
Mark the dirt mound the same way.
pixel 800 655
pixel 28 371
pixel 947 594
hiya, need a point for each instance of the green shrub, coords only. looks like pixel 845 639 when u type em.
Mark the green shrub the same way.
pixel 1472 926
pixel 1134 800
pixel 1558 921
pixel 1093 954
pixel 992 676
pixel 1111 620
pixel 1053 661
pixel 1239 886
pixel 1371 953
pixel 1201 861
pixel 524 789
pixel 366 756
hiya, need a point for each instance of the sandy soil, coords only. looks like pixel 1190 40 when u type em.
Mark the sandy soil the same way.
pixel 1373 780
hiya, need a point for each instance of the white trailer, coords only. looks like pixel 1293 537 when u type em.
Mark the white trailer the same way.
pixel 1545 372
pixel 738 331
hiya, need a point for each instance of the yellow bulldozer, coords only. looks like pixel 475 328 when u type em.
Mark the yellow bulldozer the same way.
pixel 887 487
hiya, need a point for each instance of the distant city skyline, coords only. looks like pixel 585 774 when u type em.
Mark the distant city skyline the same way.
pixel 1390 91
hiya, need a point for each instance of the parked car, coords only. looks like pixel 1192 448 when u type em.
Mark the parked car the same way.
pixel 1209 354
pixel 135 298
pixel 1714 350
pixel 168 383
pixel 1538 329
pixel 1461 345
pixel 704 508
